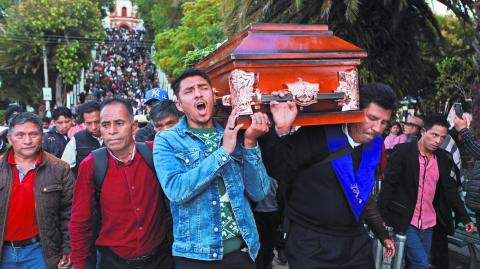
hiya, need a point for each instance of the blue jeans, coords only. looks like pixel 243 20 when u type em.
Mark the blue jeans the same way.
pixel 418 247
pixel 27 257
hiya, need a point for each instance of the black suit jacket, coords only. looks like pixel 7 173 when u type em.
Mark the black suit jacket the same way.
pixel 398 196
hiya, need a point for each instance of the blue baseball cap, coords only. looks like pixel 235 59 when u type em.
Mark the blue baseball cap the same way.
pixel 155 94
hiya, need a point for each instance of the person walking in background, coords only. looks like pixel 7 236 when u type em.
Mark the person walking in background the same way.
pixel 85 141
pixel 163 116
pixel 411 128
pixel 152 97
pixel 56 139
pixel 418 190
pixel 394 137
pixel 268 218
pixel 9 112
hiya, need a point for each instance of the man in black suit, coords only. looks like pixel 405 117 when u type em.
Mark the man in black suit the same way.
pixel 328 199
pixel 418 193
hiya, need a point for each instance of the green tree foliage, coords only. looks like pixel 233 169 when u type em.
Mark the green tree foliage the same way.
pixel 68 28
pixel 455 79
pixel 4 5
pixel 201 27
pixel 159 15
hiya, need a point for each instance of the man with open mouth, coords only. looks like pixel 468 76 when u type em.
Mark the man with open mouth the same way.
pixel 209 174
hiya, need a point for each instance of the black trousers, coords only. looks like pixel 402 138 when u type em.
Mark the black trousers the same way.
pixel 309 249
pixel 439 250
pixel 234 260
pixel 161 259
pixel 267 225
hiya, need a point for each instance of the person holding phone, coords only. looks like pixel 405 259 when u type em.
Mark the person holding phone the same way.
pixel 467 140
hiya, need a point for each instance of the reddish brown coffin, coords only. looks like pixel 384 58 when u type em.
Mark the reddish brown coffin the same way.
pixel 302 58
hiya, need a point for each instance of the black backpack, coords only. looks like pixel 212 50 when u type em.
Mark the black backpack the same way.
pixel 100 166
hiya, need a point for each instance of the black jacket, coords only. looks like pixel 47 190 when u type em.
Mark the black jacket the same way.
pixel 85 143
pixel 315 198
pixel 54 143
pixel 146 133
pixel 472 188
pixel 398 197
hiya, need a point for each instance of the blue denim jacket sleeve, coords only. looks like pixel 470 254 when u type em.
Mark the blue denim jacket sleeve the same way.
pixel 179 184
pixel 255 177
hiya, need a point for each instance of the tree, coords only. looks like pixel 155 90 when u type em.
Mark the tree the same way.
pixel 159 15
pixel 200 27
pixel 68 29
pixel 454 62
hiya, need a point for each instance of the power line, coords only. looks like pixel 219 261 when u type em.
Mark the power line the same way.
pixel 67 36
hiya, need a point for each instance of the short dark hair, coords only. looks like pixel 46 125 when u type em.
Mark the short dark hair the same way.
pixel 61 111
pixel 190 72
pixel 88 107
pixel 399 127
pixel 12 109
pixel 164 108
pixel 435 119
pixel 25 117
pixel 117 100
pixel 46 119
pixel 378 93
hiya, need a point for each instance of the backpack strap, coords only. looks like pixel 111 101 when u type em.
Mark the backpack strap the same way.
pixel 100 166
pixel 146 154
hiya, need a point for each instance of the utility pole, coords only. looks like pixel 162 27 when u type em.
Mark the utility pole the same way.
pixel 47 92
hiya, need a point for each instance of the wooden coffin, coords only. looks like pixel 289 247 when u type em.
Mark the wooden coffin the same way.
pixel 316 67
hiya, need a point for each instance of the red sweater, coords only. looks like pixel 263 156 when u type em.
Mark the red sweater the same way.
pixel 132 221
pixel 21 222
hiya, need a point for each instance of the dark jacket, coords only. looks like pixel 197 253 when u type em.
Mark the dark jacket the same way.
pixel 315 198
pixel 54 143
pixel 472 188
pixel 3 141
pixel 398 197
pixel 53 200
pixel 85 143
pixel 146 133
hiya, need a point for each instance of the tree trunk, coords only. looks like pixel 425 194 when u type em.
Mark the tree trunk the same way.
pixel 59 91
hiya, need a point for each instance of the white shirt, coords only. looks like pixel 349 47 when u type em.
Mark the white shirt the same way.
pixel 352 143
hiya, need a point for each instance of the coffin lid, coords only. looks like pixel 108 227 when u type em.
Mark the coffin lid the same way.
pixel 260 41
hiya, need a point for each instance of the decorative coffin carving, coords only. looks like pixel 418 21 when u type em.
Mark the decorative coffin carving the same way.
pixel 318 69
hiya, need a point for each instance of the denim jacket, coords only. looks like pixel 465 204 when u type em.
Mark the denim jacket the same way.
pixel 189 174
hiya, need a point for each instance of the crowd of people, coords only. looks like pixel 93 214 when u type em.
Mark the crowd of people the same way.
pixel 187 192
pixel 122 68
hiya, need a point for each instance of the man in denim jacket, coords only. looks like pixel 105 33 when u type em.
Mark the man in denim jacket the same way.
pixel 209 174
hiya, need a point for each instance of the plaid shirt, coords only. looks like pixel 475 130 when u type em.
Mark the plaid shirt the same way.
pixel 469 144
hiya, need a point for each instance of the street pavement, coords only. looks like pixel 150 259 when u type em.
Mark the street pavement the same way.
pixel 458 259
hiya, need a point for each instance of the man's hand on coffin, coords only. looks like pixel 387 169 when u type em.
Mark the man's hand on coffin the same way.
pixel 230 133
pixel 284 113
pixel 260 125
